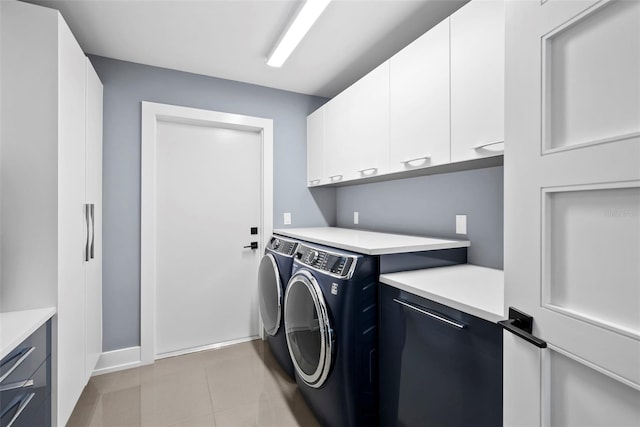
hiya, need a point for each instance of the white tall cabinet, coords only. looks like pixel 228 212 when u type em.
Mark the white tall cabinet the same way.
pixel 51 176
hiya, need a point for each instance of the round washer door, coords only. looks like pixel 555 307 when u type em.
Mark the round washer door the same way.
pixel 270 294
pixel 309 333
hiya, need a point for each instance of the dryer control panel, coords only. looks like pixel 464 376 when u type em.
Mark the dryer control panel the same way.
pixel 282 246
pixel 332 263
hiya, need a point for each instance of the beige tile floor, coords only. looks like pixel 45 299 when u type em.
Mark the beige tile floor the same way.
pixel 239 385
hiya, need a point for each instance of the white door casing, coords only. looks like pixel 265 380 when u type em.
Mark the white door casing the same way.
pixel 572 211
pixel 152 115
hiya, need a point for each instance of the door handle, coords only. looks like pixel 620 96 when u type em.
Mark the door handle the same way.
pixel 252 246
pixel 521 324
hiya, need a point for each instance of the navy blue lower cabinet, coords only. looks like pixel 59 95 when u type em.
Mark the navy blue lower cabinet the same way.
pixel 438 366
pixel 25 382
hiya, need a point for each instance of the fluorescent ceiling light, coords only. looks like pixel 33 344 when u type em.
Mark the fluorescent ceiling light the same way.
pixel 301 24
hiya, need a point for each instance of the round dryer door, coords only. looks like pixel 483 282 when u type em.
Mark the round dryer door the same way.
pixel 270 294
pixel 309 333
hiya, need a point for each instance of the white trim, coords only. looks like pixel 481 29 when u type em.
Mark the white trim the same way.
pixel 206 347
pixel 591 365
pixel 117 360
pixel 151 114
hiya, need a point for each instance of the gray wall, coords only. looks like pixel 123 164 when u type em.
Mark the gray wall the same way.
pixel 125 86
pixel 428 205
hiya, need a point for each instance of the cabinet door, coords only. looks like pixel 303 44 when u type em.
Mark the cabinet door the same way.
pixel 93 268
pixel 419 103
pixel 477 80
pixel 438 366
pixel 315 148
pixel 370 123
pixel 357 128
pixel 339 146
pixel 72 227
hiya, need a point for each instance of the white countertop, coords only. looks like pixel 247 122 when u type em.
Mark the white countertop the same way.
pixel 470 288
pixel 369 242
pixel 16 326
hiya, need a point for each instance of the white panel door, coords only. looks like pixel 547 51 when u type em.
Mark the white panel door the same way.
pixel 93 268
pixel 208 198
pixel 315 148
pixel 72 226
pixel 477 80
pixel 572 212
pixel 419 102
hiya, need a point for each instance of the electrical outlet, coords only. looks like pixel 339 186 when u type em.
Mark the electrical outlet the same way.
pixel 356 218
pixel 287 218
pixel 461 224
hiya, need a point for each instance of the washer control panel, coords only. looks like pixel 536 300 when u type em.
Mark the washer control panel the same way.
pixel 335 264
pixel 282 246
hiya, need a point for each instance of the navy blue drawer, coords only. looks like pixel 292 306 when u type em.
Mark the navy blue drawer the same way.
pixel 22 362
pixel 29 405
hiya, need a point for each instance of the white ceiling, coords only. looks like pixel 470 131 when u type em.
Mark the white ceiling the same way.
pixel 231 38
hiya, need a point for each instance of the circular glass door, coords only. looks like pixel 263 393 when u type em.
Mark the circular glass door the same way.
pixel 309 333
pixel 270 294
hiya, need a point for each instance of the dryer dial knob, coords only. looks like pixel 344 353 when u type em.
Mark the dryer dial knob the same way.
pixel 276 243
pixel 312 257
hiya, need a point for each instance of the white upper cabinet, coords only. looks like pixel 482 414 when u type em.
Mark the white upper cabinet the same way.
pixel 338 133
pixel 371 123
pixel 477 80
pixel 419 102
pixel 438 101
pixel 315 148
pixel 357 129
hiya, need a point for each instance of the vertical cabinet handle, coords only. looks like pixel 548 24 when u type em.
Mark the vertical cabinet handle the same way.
pixel 87 229
pixel 93 229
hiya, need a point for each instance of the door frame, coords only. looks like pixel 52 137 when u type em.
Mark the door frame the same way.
pixel 152 113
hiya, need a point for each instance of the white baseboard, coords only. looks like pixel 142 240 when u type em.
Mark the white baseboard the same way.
pixel 117 360
pixel 205 347
pixel 126 358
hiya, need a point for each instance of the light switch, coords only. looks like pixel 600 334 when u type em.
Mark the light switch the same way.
pixel 287 218
pixel 461 224
pixel 355 217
